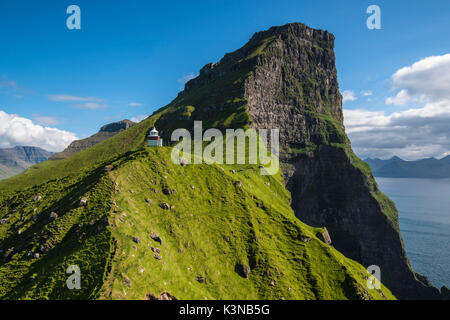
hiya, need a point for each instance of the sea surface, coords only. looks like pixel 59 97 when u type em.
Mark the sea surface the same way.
pixel 424 218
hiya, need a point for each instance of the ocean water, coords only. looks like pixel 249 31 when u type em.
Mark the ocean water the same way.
pixel 424 218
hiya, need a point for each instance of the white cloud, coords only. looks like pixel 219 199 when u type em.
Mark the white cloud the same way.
pixel 90 106
pixel 426 80
pixel 16 130
pixel 5 83
pixel 367 93
pixel 135 104
pixel 410 134
pixel 11 87
pixel 46 120
pixel 139 118
pixel 413 133
pixel 65 97
pixel 348 95
pixel 402 98
pixel 187 77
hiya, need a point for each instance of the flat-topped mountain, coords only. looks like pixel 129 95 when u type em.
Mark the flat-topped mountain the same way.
pixel 141 226
pixel 399 168
pixel 286 78
pixel 17 159
pixel 105 132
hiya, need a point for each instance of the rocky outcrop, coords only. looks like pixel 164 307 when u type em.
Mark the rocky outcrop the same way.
pixel 295 88
pixel 105 132
pixel 286 78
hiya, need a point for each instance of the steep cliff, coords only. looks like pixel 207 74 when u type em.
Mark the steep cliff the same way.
pixel 286 78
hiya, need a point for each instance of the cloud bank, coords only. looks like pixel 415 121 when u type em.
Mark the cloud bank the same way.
pixel 19 131
pixel 413 133
pixel 348 95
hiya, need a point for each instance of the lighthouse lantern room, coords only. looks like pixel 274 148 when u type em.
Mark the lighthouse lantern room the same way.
pixel 154 140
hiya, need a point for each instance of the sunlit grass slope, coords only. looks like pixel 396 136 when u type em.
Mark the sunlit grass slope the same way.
pixel 220 219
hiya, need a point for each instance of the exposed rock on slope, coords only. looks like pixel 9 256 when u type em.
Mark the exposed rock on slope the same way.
pixel 105 132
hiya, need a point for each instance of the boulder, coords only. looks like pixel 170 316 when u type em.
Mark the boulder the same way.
pixel 83 202
pixel 243 270
pixel 137 240
pixel 108 168
pixel 53 215
pixel 37 198
pixel 156 250
pixel 163 296
pixel 305 239
pixel 200 279
pixel 155 237
pixel 148 200
pixel 165 206
pixel 167 296
pixel 168 191
pixel 325 236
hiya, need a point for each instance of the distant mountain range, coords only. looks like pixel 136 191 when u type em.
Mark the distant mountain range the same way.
pixel 15 160
pixel 399 168
pixel 105 132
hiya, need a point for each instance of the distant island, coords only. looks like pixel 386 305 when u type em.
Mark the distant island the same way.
pixel 399 168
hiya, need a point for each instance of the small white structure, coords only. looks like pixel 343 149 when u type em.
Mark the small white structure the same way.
pixel 154 140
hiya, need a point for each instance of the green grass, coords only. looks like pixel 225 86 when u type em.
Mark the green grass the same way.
pixel 7 172
pixel 256 217
pixel 78 236
pixel 210 230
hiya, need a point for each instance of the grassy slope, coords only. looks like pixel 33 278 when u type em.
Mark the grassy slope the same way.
pixel 77 236
pixel 256 217
pixel 6 172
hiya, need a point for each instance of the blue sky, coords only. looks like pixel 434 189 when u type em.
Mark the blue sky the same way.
pixel 131 57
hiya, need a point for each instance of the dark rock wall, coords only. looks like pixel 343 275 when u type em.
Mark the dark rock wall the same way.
pixel 295 88
pixel 286 78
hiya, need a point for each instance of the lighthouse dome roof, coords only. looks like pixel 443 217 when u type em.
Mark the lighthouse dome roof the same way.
pixel 154 132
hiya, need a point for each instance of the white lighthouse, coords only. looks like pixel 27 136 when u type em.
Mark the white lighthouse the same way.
pixel 154 140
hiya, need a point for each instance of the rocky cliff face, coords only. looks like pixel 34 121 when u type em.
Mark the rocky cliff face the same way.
pixel 286 78
pixel 295 88
pixel 105 132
